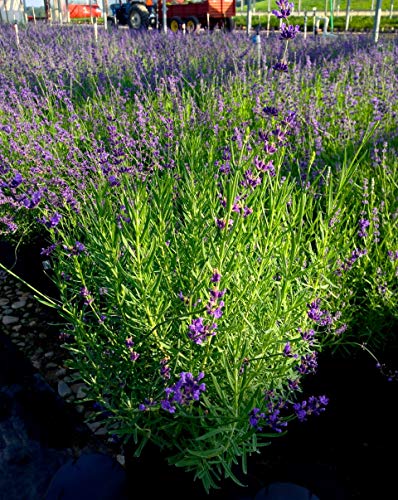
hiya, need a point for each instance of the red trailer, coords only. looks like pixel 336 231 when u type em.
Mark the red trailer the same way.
pixel 209 14
pixel 193 14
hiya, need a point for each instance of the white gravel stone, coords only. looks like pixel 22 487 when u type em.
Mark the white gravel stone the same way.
pixel 102 431
pixel 64 389
pixel 18 304
pixel 9 320
pixel 93 426
pixel 80 390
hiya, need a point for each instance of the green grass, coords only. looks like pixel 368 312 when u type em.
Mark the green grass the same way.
pixel 357 23
pixel 308 5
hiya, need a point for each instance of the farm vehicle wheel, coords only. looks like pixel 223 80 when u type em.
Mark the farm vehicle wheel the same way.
pixel 175 24
pixel 192 24
pixel 139 17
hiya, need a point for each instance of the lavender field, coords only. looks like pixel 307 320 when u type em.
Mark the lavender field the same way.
pixel 213 216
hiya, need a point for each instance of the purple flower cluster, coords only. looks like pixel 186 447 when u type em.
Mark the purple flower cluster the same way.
pixel 324 318
pixel 287 351
pixel 281 66
pixel 307 335
pixel 393 256
pixel 148 403
pixel 363 225
pixel 350 261
pixel 165 368
pixel 308 364
pixel 263 166
pixel 129 344
pixel 199 332
pixel 288 32
pixel 223 223
pixel 77 249
pixel 86 294
pixel 285 9
pixel 52 222
pixel 314 406
pixel 272 418
pixel 391 375
pixel 184 392
pixel 320 316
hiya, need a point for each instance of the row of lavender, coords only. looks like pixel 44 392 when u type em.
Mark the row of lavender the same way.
pixel 210 227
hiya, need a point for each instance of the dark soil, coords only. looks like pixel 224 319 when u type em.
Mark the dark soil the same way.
pixel 348 452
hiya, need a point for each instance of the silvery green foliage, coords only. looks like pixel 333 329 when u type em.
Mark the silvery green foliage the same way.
pixel 209 230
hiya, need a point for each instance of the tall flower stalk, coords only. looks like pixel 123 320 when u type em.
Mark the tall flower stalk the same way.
pixel 288 32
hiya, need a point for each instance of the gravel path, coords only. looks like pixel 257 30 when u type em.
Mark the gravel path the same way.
pixel 42 424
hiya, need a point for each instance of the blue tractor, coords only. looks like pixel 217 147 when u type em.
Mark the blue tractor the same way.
pixel 136 14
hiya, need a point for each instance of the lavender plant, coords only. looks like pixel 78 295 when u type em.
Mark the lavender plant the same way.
pixel 209 230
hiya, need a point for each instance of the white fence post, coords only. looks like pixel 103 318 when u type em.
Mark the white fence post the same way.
pixel 16 34
pixel 314 21
pixel 347 15
pixel 376 26
pixel 249 17
pixel 105 13
pixel 305 24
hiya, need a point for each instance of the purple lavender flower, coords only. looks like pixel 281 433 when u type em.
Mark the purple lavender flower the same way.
pixel 262 166
pixel 322 317
pixel 314 406
pixel 247 211
pixel 285 9
pixel 363 225
pixel 250 180
pixel 335 218
pixel 255 416
pixel 9 223
pixel 146 404
pixel 48 250
pixel 288 32
pixel 16 181
pixel 222 223
pixel 307 335
pixel 270 110
pixel 113 181
pixel 393 256
pixel 287 350
pixel 341 329
pixel 308 364
pixel 216 276
pixel 349 262
pixel 271 417
pixel 164 368
pixel 281 67
pixel 85 293
pixel 79 247
pixel 133 355
pixel 199 332
pixel 52 221
pixel 183 392
pixel 293 385
pixel 34 200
